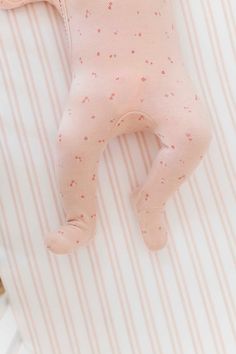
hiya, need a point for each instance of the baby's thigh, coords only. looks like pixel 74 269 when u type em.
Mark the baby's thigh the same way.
pixel 87 117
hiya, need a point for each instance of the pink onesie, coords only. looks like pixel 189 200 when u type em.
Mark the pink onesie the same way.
pixel 127 76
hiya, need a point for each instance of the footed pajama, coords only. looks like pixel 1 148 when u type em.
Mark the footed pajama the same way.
pixel 127 76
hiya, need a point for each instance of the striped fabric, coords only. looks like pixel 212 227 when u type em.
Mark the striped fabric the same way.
pixel 10 341
pixel 116 297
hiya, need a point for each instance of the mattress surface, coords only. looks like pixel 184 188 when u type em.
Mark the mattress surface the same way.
pixel 115 296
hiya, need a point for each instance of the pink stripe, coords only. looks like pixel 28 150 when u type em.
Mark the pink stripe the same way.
pixel 232 98
pixel 110 170
pixel 174 334
pixel 148 162
pixel 55 103
pixel 103 309
pixel 219 63
pixel 232 12
pixel 186 302
pixel 69 323
pixel 30 79
pixel 105 316
pixel 224 145
pixel 94 333
pixel 218 335
pixel 89 323
pixel 201 280
pixel 109 323
pixel 229 20
pixel 60 47
pixel 229 235
pixel 160 284
pixel 45 63
pixel 81 292
pixel 204 82
pixel 78 275
pixel 121 288
pixel 16 276
pixel 145 304
pixel 213 249
pixel 19 206
pixel 49 73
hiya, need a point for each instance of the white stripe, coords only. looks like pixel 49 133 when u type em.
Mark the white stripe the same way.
pixel 116 297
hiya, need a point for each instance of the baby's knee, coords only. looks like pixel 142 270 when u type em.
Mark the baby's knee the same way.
pixel 69 142
pixel 201 134
pixel 194 135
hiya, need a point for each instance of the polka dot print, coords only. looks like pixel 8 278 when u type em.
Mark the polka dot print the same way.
pixel 128 76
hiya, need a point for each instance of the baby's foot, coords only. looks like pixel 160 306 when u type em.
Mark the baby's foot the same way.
pixel 152 225
pixel 70 236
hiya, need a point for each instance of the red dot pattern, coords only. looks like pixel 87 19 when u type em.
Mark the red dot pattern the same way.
pixel 114 64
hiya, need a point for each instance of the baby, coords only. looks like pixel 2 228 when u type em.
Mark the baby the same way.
pixel 127 76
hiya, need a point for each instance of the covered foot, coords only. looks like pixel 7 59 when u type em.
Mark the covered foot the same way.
pixel 70 236
pixel 151 223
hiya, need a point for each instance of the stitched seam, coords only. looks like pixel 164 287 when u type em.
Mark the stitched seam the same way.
pixel 127 113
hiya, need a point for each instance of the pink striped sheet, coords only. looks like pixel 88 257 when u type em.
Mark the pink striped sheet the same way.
pixel 115 296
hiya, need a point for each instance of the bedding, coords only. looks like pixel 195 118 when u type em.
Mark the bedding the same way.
pixel 115 296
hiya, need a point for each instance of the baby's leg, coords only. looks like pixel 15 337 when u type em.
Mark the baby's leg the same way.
pixel 184 131
pixel 82 136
